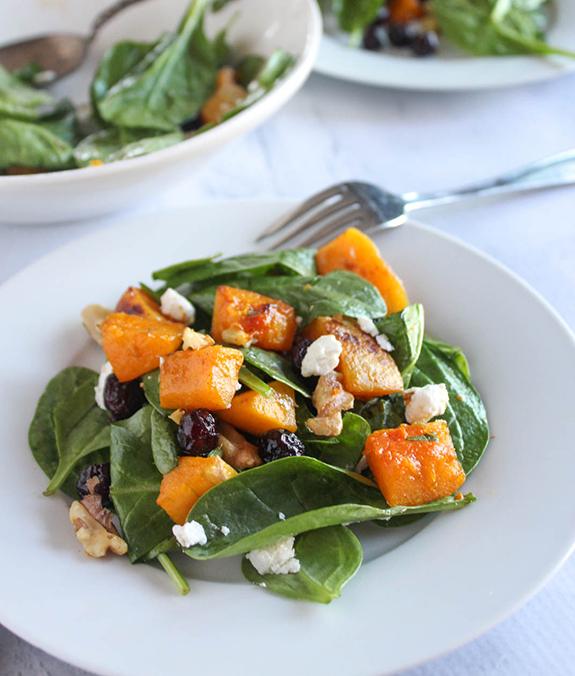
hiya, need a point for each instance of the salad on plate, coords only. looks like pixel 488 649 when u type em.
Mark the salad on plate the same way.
pixel 259 405
pixel 424 27
pixel 144 97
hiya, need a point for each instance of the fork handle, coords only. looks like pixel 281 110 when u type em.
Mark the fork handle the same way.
pixel 550 172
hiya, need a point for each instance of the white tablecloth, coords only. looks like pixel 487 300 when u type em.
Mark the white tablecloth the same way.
pixel 335 131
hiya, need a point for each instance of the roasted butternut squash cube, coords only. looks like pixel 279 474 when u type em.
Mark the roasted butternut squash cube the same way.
pixel 185 484
pixel 414 464
pixel 227 96
pixel 253 413
pixel 206 378
pixel 404 11
pixel 134 345
pixel 368 371
pixel 137 302
pixel 268 323
pixel 355 252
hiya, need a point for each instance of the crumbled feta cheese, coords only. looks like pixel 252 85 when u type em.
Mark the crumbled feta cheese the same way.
pixel 383 342
pixel 424 403
pixel 190 534
pixel 367 326
pixel 361 465
pixel 322 357
pixel 178 308
pixel 298 320
pixel 278 559
pixel 225 530
pixel 281 516
pixel 105 371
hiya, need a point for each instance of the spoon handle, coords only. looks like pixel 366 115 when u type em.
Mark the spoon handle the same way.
pixel 108 14
pixel 550 172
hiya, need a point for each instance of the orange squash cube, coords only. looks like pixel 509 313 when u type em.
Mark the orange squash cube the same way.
pixel 368 371
pixel 134 345
pixel 269 323
pixel 413 472
pixel 355 252
pixel 185 484
pixel 206 378
pixel 404 11
pixel 253 413
pixel 137 302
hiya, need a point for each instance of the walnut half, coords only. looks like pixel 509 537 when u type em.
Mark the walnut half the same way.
pixel 330 399
pixel 236 449
pixel 95 539
pixel 92 317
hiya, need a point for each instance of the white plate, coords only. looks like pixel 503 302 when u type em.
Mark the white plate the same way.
pixel 456 578
pixel 451 70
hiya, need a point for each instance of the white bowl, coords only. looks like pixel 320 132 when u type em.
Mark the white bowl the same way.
pixel 259 27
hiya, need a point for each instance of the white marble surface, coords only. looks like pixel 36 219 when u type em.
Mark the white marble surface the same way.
pixel 405 141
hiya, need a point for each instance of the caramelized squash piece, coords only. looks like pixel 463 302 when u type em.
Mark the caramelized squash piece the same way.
pixel 137 302
pixel 185 484
pixel 355 252
pixel 368 371
pixel 414 464
pixel 227 96
pixel 134 345
pixel 206 378
pixel 253 413
pixel 404 11
pixel 242 316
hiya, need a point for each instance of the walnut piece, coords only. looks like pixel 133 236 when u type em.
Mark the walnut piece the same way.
pixel 95 539
pixel 92 317
pixel 177 415
pixel 236 449
pixel 192 340
pixel 235 335
pixel 330 399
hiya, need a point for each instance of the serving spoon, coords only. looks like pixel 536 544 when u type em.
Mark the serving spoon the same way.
pixel 57 54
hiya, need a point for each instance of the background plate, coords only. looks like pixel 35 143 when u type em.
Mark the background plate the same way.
pixel 455 579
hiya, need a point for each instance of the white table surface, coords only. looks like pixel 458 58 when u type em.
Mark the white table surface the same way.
pixel 335 131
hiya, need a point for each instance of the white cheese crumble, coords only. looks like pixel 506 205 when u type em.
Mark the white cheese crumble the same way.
pixel 281 516
pixel 178 308
pixel 424 403
pixel 367 326
pixel 225 530
pixel 105 371
pixel 277 559
pixel 383 342
pixel 322 356
pixel 190 534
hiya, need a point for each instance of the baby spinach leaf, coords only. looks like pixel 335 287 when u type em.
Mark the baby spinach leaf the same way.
pixel 385 412
pixel 115 145
pixel 135 488
pixel 19 101
pixel 80 428
pixel 455 354
pixel 344 450
pixel 405 332
pixel 276 366
pixel 309 493
pixel 338 292
pixel 249 68
pixel 494 27
pixel 26 144
pixel 164 444
pixel 42 432
pixel 198 273
pixel 170 83
pixel 465 412
pixel 151 382
pixel 329 558
pixel 255 383
pixel 355 16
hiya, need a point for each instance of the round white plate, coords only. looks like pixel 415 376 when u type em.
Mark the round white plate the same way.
pixel 451 70
pixel 454 579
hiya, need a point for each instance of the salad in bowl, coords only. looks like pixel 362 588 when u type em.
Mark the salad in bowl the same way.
pixel 260 405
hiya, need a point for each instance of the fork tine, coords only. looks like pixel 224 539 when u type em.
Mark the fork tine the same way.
pixel 309 205
pixel 325 214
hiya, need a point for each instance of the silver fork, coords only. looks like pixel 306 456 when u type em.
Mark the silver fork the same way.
pixel 367 207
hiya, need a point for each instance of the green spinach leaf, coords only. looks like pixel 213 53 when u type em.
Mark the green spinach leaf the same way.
pixel 135 488
pixel 19 101
pixel 26 144
pixel 355 16
pixel 405 332
pixel 465 412
pixel 151 382
pixel 329 558
pixel 164 444
pixel 42 433
pixel 309 493
pixel 344 450
pixel 385 412
pixel 276 366
pixel 455 354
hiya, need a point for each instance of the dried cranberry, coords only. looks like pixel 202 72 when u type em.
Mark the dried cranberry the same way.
pixel 425 44
pixel 400 34
pixel 298 350
pixel 100 471
pixel 123 399
pixel 198 433
pixel 371 39
pixel 277 444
